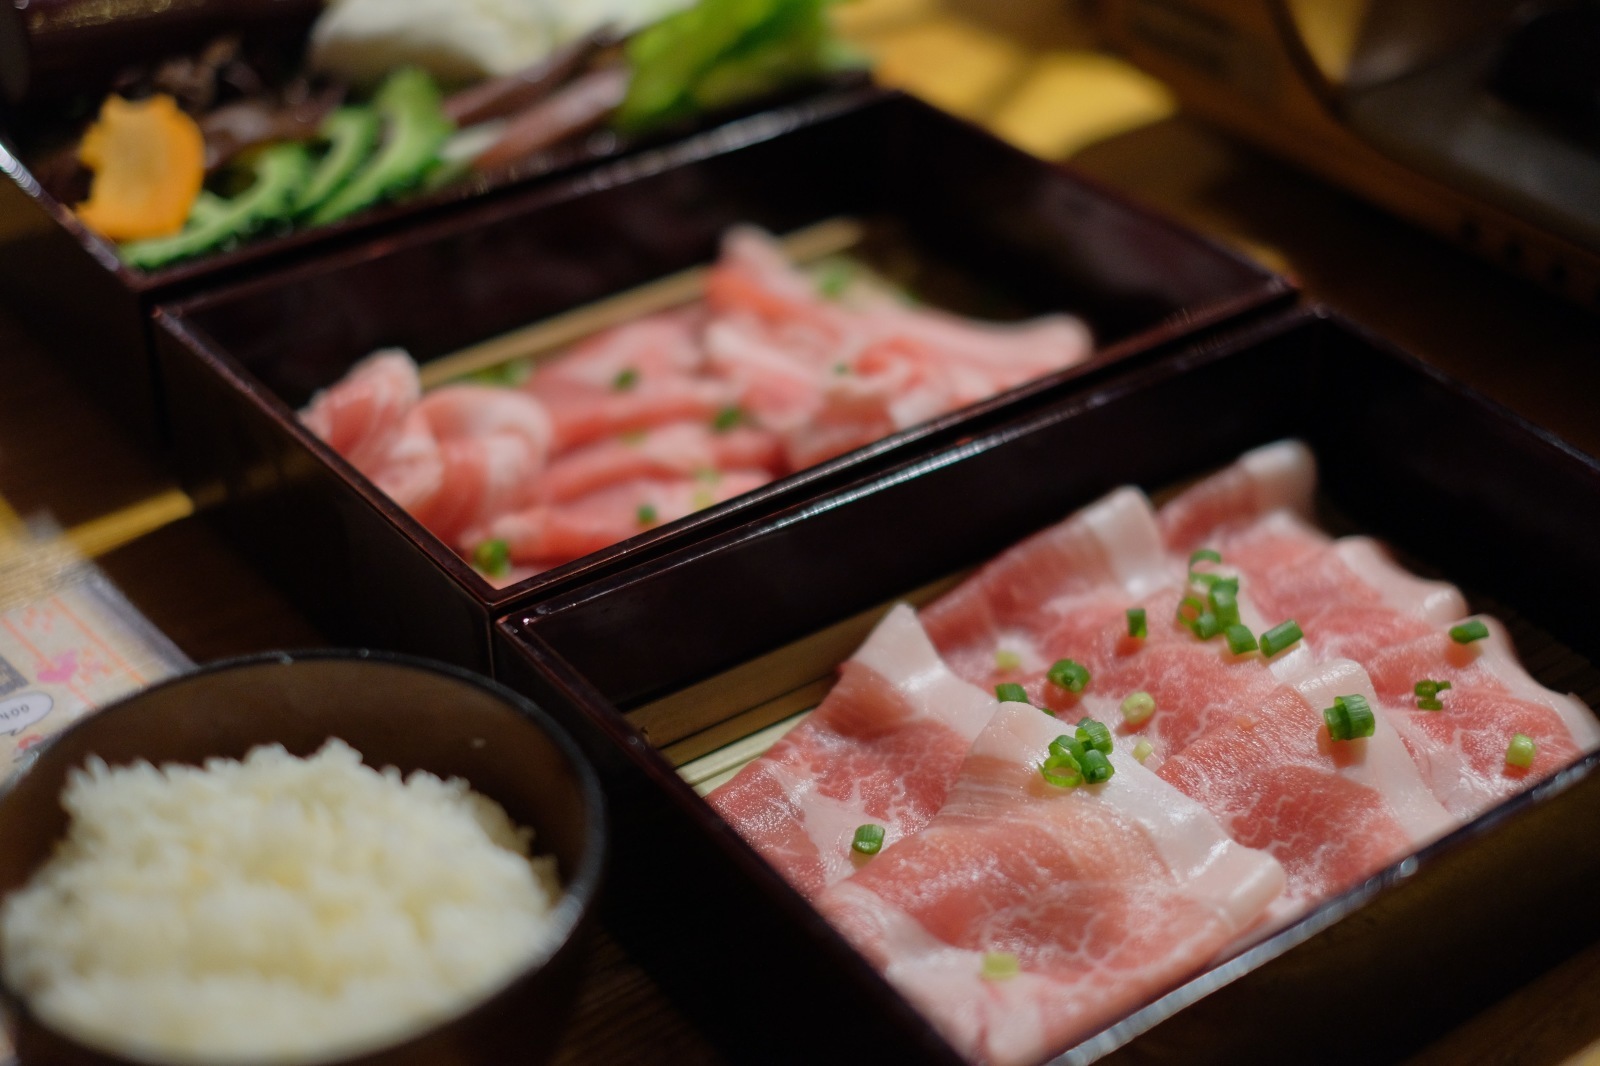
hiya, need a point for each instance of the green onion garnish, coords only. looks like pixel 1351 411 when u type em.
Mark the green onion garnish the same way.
pixel 1349 718
pixel 841 369
pixel 1427 693
pixel 1011 692
pixel 1138 707
pixel 1203 555
pixel 702 498
pixel 1469 631
pixel 1062 766
pixel 1207 626
pixel 1521 751
pixel 999 965
pixel 492 557
pixel 1068 674
pixel 626 379
pixel 1280 637
pixel 727 419
pixel 1239 638
pixel 1096 767
pixel 868 839
pixel 646 514
pixel 1093 734
pixel 1224 603
pixel 1143 750
pixel 1136 623
pixel 1007 660
pixel 633 437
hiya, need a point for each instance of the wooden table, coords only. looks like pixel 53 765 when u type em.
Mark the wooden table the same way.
pixel 60 457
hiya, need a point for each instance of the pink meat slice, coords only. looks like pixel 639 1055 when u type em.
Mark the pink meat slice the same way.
pixel 677 449
pixel 665 344
pixel 1110 548
pixel 1106 895
pixel 1279 476
pixel 1462 748
pixel 412 469
pixel 545 535
pixel 483 477
pixel 581 413
pixel 463 412
pixel 882 749
pixel 1332 813
pixel 360 416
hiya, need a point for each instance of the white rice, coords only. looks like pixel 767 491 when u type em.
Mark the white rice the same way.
pixel 276 910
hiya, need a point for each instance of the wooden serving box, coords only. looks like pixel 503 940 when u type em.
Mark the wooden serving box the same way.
pixel 69 284
pixel 237 363
pixel 665 669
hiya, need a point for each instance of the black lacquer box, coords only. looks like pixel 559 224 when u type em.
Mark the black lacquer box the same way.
pixel 659 668
pixel 237 363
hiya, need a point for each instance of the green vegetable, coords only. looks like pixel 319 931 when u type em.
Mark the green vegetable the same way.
pixel 414 128
pixel 999 965
pixel 1143 750
pixel 1469 631
pixel 1137 625
pixel 1011 692
pixel 1094 735
pixel 352 134
pixel 493 557
pixel 1068 674
pixel 1137 708
pixel 1350 718
pixel 1280 637
pixel 868 839
pixel 626 379
pixel 278 174
pixel 1239 638
pixel 1521 751
pixel 726 419
pixel 719 52
pixel 646 514
pixel 1062 767
pixel 1096 768
pixel 1427 693
pixel 1007 660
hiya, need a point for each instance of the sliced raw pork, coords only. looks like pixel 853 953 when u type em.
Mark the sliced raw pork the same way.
pixel 1105 895
pixel 882 749
pixel 1332 812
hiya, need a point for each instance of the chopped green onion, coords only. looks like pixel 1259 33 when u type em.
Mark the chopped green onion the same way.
pixel 999 965
pixel 633 437
pixel 708 475
pixel 1224 603
pixel 727 419
pixel 1190 608
pixel 1096 767
pixel 626 379
pixel 841 369
pixel 493 557
pixel 1011 692
pixel 646 514
pixel 1427 693
pixel 1521 751
pixel 1007 660
pixel 702 498
pixel 1137 708
pixel 1207 626
pixel 1204 555
pixel 868 839
pixel 1239 638
pixel 1062 766
pixel 1136 623
pixel 1068 674
pixel 1469 631
pixel 1095 735
pixel 1280 637
pixel 1143 750
pixel 1350 718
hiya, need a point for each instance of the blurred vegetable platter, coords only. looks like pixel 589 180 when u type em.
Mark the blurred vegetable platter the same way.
pixel 169 178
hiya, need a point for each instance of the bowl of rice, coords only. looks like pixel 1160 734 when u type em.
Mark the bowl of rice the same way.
pixel 318 857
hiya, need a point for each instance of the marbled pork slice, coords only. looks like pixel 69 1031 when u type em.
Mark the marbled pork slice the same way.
pixel 1106 895
pixel 883 749
pixel 1274 477
pixel 1461 748
pixel 1332 812
pixel 361 415
pixel 1109 548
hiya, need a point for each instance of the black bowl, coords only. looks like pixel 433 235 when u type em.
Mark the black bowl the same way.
pixel 397 711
